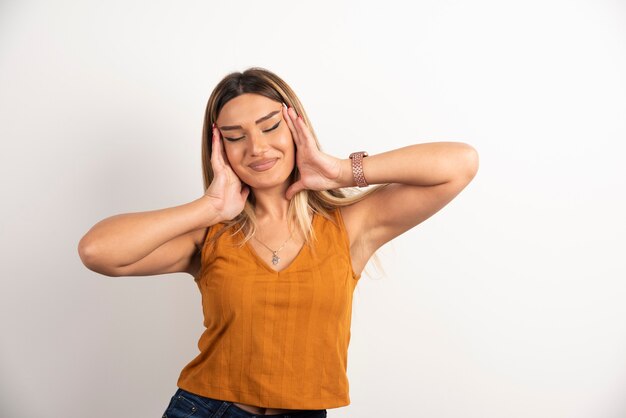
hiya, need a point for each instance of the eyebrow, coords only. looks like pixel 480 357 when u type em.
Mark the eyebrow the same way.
pixel 233 127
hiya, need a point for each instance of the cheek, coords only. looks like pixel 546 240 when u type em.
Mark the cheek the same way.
pixel 286 138
pixel 231 151
pixel 286 132
pixel 233 157
pixel 289 146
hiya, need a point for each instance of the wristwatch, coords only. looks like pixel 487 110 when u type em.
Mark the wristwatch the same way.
pixel 357 167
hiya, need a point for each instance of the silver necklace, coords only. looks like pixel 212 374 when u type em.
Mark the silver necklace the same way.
pixel 275 257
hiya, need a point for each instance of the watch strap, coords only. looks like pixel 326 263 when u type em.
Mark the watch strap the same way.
pixel 357 167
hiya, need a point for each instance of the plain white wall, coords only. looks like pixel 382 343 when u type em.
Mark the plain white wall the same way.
pixel 507 303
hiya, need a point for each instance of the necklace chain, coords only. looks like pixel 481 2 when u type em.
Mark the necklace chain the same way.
pixel 275 257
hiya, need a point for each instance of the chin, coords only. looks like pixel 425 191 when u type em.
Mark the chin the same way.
pixel 275 174
pixel 270 183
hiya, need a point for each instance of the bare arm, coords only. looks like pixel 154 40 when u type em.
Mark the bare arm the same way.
pixel 165 240
pixel 423 179
pixel 426 164
pixel 121 244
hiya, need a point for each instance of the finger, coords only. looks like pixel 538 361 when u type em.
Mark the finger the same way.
pixel 303 131
pixel 245 191
pixel 220 151
pixel 215 146
pixel 220 142
pixel 293 189
pixel 290 123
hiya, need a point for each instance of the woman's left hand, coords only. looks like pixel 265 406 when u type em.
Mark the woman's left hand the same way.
pixel 318 171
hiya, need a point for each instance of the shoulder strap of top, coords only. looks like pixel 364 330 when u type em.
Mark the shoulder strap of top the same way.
pixel 208 240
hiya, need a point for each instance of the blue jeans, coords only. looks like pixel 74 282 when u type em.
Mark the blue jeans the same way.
pixel 189 405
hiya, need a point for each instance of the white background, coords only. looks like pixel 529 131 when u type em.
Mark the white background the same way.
pixel 510 302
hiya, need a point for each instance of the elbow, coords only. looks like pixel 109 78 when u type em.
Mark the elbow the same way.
pixel 470 161
pixel 85 251
pixel 89 256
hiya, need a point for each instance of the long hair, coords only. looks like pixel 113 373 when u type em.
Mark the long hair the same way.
pixel 303 204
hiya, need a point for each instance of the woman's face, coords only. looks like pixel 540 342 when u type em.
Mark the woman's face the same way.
pixel 253 131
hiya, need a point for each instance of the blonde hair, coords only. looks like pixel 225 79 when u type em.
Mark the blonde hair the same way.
pixel 303 204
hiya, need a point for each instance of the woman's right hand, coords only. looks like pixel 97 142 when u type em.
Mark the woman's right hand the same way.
pixel 228 194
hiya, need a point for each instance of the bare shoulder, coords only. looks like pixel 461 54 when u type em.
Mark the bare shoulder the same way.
pixel 358 218
pixel 355 219
pixel 198 236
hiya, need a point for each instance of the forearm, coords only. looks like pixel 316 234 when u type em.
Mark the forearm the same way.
pixel 425 164
pixel 123 239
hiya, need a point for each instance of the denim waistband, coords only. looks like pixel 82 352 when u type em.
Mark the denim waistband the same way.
pixel 215 408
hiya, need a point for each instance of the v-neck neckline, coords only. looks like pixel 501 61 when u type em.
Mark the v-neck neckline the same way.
pixel 259 260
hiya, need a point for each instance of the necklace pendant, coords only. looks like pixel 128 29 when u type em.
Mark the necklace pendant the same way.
pixel 275 259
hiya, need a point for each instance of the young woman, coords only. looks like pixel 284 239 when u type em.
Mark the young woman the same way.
pixel 276 247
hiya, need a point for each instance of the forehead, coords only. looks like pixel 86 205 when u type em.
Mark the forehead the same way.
pixel 245 109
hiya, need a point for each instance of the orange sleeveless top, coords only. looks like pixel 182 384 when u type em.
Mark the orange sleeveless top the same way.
pixel 275 339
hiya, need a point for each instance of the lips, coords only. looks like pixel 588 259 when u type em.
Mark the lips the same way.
pixel 263 164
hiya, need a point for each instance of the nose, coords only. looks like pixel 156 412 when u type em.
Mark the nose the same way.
pixel 258 144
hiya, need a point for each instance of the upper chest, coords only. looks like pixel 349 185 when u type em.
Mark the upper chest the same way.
pixel 328 250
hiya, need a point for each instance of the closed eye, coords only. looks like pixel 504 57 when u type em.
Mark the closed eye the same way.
pixel 273 127
pixel 267 130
